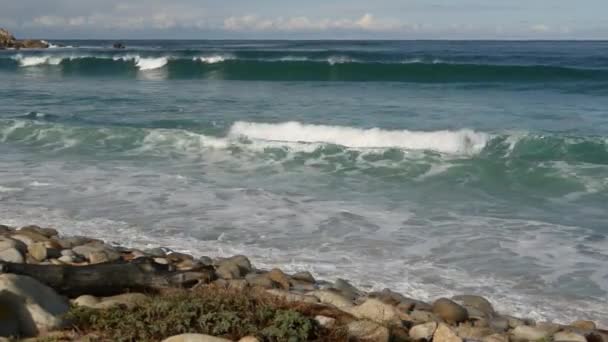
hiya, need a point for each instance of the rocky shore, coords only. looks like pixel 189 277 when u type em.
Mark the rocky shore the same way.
pixel 60 288
pixel 8 41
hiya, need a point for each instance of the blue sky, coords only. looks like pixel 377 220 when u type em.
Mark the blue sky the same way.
pixel 314 19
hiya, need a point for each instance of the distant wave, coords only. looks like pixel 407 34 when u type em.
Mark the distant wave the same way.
pixel 301 68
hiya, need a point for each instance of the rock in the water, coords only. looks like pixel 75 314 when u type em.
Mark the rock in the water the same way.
pixel 333 297
pixel 450 311
pixel 375 310
pixel 367 331
pixel 347 289
pixel 195 338
pixel 37 306
pixel 423 331
pixel 445 334
pixel 12 255
pixel 304 276
pixel 499 323
pixel 585 325
pixel 527 333
pixel 477 302
pixel 47 232
pixel 565 336
pixel 118 45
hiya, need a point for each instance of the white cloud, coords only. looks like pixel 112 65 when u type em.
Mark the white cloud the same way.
pixel 540 28
pixel 367 22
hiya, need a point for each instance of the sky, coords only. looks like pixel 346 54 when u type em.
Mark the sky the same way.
pixel 306 19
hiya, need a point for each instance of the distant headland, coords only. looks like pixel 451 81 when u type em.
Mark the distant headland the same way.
pixel 8 41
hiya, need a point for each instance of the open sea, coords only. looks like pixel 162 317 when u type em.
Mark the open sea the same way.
pixel 429 167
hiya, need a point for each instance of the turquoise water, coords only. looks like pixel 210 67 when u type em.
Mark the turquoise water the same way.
pixel 427 167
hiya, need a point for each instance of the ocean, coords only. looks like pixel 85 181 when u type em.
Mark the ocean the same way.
pixel 429 167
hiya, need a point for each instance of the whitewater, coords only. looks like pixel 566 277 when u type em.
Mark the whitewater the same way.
pixel 431 168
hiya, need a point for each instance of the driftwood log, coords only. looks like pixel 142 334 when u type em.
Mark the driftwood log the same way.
pixel 110 278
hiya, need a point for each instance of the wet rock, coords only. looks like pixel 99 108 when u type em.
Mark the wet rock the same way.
pixel 325 321
pixel 375 310
pixel 176 257
pixel 333 297
pixel 389 297
pixel 527 333
pixel 347 289
pixel 423 331
pixel 585 325
pixel 302 286
pixel 158 252
pixel 37 306
pixel 118 45
pixel 514 322
pixel 74 241
pixel 304 276
pixel 9 324
pixel 205 260
pixel 564 336
pixel 445 334
pixel 195 338
pixel 367 331
pixel 12 255
pixel 280 278
pixel 450 311
pixel 5 229
pixel 32 44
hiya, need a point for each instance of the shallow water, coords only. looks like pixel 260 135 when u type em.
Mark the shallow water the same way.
pixel 427 167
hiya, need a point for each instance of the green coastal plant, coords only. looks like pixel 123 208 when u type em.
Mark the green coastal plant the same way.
pixel 214 311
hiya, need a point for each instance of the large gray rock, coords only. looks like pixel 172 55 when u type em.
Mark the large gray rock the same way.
pixel 476 302
pixel 450 311
pixel 367 331
pixel 347 289
pixel 36 306
pixel 564 336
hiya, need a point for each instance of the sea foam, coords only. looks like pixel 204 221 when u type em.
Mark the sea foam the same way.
pixel 456 142
pixel 37 60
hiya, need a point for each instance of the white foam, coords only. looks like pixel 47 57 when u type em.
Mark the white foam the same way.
pixel 213 59
pixel 339 60
pixel 151 63
pixel 454 142
pixel 38 60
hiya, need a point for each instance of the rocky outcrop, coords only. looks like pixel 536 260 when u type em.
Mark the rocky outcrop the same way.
pixel 8 41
